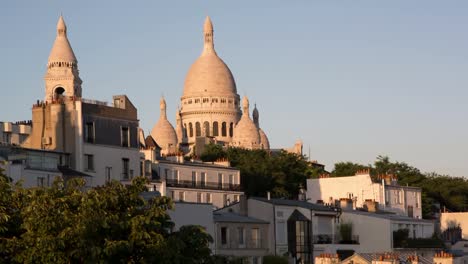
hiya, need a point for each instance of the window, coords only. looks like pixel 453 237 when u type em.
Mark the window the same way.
pixel 220 180
pixel 7 137
pixel 223 129
pixel 225 199
pixel 224 234
pixel 203 179
pixel 194 178
pixel 172 195
pixel 108 174
pixel 281 232
pixel 166 173
pixel 241 236
pixel 142 164
pixel 236 198
pixel 40 181
pixel 215 129
pixel 197 129
pixel 89 132
pixel 89 162
pixel 231 180
pixel 125 169
pixel 190 129
pixel 231 129
pixel 125 137
pixel 148 167
pixel 176 176
pixel 181 196
pixel 255 237
pixel 199 197
pixel 208 198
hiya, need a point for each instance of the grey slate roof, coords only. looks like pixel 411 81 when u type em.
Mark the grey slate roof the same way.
pixel 229 217
pixel 296 203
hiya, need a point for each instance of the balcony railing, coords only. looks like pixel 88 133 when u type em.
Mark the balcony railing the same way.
pixel 334 239
pixel 203 185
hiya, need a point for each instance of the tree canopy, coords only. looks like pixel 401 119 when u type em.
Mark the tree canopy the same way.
pixel 108 224
pixel 281 173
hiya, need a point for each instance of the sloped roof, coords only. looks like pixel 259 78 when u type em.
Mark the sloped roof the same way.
pixel 296 203
pixel 403 256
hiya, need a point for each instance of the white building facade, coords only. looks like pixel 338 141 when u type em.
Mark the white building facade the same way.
pixel 402 200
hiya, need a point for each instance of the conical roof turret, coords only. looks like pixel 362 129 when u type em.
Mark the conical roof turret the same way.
pixel 62 51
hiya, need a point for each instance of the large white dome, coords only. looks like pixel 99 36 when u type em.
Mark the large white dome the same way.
pixel 209 75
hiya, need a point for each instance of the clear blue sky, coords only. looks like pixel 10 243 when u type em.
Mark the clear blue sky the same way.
pixel 352 79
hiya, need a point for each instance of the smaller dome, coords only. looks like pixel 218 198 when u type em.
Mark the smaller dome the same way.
pixel 246 133
pixel 264 142
pixel 163 132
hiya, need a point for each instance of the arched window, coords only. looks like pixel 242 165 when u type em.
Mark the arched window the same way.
pixel 197 129
pixel 191 129
pixel 59 92
pixel 231 129
pixel 223 129
pixel 206 128
pixel 215 129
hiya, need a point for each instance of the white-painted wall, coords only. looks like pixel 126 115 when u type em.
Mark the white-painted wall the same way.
pixel 109 156
pixel 193 214
pixel 448 219
pixel 360 188
pixel 376 232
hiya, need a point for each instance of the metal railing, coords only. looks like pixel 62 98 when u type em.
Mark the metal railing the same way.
pixel 203 185
pixel 334 239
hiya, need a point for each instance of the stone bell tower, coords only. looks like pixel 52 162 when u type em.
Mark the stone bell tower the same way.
pixel 62 77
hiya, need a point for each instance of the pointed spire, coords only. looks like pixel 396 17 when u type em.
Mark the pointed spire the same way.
pixel 208 35
pixel 61 27
pixel 162 107
pixel 255 116
pixel 62 53
pixel 245 106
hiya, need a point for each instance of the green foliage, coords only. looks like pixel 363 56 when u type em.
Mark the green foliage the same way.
pixel 401 240
pixel 347 169
pixel 275 260
pixel 261 172
pixel 212 152
pixel 110 224
pixel 346 232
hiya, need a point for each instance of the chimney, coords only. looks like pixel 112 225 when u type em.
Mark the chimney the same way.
pixel 327 258
pixel 244 209
pixel 387 258
pixel 413 259
pixel 371 205
pixel 443 258
pixel 346 203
